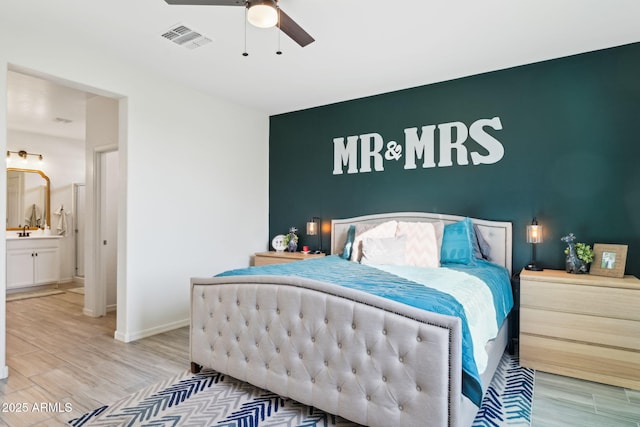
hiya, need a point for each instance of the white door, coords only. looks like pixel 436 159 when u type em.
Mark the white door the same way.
pixel 46 266
pixel 109 225
pixel 79 208
pixel 19 268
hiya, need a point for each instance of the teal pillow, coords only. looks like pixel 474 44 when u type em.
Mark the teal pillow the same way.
pixel 457 243
pixel 348 244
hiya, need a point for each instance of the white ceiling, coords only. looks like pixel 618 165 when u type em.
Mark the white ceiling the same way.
pixel 42 106
pixel 362 48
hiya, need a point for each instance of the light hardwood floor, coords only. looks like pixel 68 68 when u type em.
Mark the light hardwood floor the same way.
pixel 562 401
pixel 58 357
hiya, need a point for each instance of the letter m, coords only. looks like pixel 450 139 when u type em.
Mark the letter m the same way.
pixel 345 155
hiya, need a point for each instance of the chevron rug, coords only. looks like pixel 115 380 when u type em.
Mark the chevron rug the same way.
pixel 214 399
pixel 507 401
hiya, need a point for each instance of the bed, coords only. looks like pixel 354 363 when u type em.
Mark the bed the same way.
pixel 360 355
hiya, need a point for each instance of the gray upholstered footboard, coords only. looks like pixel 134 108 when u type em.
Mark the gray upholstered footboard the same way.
pixel 364 358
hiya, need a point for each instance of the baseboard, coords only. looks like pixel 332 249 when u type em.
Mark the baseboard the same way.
pixel 4 372
pixel 89 313
pixel 32 288
pixel 137 335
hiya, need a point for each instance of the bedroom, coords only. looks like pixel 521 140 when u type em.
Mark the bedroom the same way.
pixel 151 219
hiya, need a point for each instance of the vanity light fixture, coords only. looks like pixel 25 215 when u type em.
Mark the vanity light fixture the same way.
pixel 24 156
pixel 534 236
pixel 314 228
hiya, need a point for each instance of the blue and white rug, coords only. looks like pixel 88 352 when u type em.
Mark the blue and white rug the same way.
pixel 213 399
pixel 507 401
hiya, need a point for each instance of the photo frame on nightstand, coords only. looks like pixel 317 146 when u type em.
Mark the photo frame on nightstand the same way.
pixel 608 260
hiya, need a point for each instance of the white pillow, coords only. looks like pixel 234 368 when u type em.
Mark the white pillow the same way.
pixel 383 230
pixel 386 251
pixel 422 248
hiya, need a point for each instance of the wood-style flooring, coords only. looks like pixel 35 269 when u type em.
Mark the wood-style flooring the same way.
pixel 71 363
pixel 562 401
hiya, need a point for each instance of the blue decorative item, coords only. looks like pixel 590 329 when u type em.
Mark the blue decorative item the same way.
pixel 573 263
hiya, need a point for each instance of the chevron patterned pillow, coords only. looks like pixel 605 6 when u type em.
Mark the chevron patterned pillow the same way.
pixel 422 244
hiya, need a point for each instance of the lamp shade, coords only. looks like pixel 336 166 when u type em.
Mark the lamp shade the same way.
pixel 312 228
pixel 263 14
pixel 534 232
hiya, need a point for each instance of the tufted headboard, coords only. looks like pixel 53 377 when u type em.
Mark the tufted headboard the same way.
pixel 498 234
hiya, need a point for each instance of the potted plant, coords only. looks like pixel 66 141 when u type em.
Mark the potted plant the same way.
pixel 578 255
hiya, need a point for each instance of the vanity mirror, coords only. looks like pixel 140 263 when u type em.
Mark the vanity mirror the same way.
pixel 28 199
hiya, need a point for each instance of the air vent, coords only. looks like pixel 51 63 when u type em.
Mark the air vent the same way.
pixel 186 37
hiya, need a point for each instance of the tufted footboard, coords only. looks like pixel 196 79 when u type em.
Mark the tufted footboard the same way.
pixel 364 358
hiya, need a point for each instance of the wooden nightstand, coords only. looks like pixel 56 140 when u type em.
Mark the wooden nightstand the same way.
pixel 265 258
pixel 582 326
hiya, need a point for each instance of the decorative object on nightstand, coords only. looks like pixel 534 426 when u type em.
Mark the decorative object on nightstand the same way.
pixel 610 260
pixel 534 236
pixel 291 240
pixel 579 255
pixel 314 228
pixel 278 243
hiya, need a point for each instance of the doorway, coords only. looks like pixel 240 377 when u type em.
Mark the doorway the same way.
pixel 98 124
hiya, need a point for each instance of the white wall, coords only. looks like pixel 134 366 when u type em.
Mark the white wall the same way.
pixel 4 371
pixel 64 164
pixel 195 200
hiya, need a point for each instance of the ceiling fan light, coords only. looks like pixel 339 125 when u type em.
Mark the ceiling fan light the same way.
pixel 263 14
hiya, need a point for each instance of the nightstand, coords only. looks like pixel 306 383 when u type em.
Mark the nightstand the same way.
pixel 266 258
pixel 581 325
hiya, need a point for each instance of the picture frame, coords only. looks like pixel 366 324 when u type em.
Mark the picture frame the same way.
pixel 609 260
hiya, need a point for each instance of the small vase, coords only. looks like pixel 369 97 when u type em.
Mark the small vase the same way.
pixel 574 265
pixel 292 245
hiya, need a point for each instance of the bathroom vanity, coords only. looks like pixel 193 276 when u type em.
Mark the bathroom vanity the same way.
pixel 32 261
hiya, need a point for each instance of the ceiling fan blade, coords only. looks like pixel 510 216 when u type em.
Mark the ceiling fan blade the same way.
pixel 208 2
pixel 293 30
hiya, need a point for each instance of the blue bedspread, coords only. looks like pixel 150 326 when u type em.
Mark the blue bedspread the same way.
pixel 353 275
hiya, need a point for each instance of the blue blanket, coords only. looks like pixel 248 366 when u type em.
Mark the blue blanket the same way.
pixel 334 269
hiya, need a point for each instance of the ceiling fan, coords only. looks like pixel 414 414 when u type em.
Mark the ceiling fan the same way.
pixel 260 13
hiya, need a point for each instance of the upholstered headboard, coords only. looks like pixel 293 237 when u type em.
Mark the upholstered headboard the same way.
pixel 498 234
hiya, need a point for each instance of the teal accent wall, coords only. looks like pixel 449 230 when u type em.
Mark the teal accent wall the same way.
pixel 571 138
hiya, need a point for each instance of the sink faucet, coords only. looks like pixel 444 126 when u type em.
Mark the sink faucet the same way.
pixel 24 233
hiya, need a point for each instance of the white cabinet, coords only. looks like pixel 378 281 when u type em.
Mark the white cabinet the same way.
pixel 32 261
